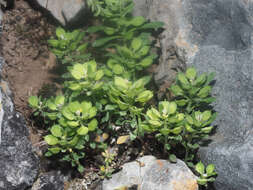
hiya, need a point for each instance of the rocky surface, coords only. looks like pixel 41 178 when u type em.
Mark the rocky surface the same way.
pixel 67 12
pixel 18 164
pixel 53 180
pixel 216 36
pixel 149 173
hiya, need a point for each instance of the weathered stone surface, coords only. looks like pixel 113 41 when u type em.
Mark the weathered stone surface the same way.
pixel 216 36
pixel 18 164
pixel 53 180
pixel 65 11
pixel 152 174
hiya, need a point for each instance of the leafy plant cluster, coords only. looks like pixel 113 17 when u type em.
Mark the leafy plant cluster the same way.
pixel 105 88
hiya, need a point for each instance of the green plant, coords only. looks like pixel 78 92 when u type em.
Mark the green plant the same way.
pixel 166 122
pixel 84 79
pixel 192 92
pixel 69 46
pixel 131 97
pixel 74 126
pixel 118 25
pixel 107 169
pixel 128 60
pixel 206 175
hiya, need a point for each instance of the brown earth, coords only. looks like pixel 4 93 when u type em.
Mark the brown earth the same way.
pixel 28 64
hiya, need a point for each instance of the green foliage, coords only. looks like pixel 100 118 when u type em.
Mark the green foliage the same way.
pixel 193 92
pixel 107 169
pixel 68 46
pixel 118 25
pixel 127 60
pixel 109 90
pixel 206 175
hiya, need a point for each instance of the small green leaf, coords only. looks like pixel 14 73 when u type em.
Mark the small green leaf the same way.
pixel 138 21
pixel 51 105
pixel 93 125
pixel 144 96
pixel 146 62
pixel 92 112
pixel 206 115
pixel 82 130
pixel 103 41
pixel 80 168
pixel 33 101
pixel 176 130
pixel 55 150
pixel 118 69
pixel 122 84
pixel 109 30
pixel 191 73
pixel 204 92
pixel 53 43
pixel 60 33
pixel 99 74
pixel 173 158
pixel 176 90
pixel 56 130
pixel 136 44
pixel 59 100
pixel 202 181
pixel 181 77
pixel 79 71
pixel 153 25
pixel 200 168
pixel 210 169
pixel 51 140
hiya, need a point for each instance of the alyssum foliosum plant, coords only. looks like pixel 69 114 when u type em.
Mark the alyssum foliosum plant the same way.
pixel 101 92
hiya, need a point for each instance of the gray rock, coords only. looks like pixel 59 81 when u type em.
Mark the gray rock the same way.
pixel 216 36
pixel 18 164
pixel 149 173
pixel 50 181
pixel 67 12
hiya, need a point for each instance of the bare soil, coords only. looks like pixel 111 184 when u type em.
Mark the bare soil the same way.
pixel 29 66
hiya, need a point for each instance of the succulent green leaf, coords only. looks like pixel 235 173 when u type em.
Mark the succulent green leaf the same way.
pixel 153 25
pixel 66 113
pixel 176 90
pixel 138 21
pixel 122 84
pixel 51 140
pixel 200 80
pixel 82 130
pixel 55 150
pixel 59 100
pixel 79 71
pixel 183 80
pixel 92 112
pixel 136 44
pixel 146 62
pixel 155 123
pixel 118 69
pixel 102 41
pixel 173 158
pixel 176 130
pixel 202 181
pixel 56 130
pixel 200 168
pixel 210 169
pixel 144 96
pixel 93 125
pixel 109 30
pixel 51 105
pixel 53 43
pixel 204 92
pixel 191 73
pixel 60 33
pixel 33 101
pixel 99 75
pixel 207 129
pixel 73 123
pixel 206 115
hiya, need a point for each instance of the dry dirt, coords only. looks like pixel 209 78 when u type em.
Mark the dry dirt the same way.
pixel 28 64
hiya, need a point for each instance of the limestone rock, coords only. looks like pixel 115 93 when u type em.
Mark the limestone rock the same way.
pixel 53 180
pixel 149 173
pixel 216 36
pixel 18 164
pixel 66 12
